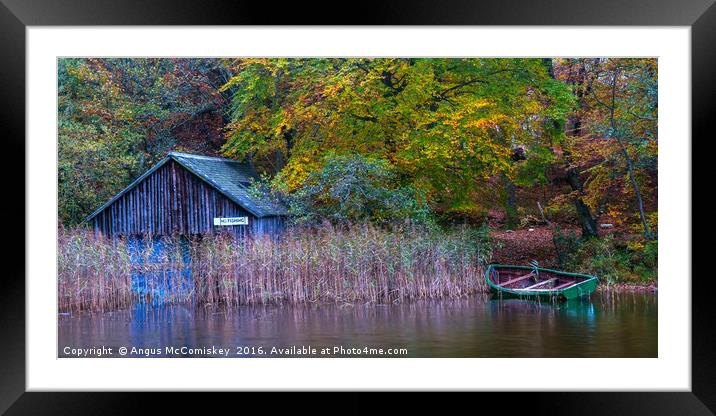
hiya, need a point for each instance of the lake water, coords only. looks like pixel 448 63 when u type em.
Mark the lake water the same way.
pixel 605 325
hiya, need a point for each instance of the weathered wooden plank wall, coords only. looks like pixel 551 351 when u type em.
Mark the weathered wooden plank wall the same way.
pixel 174 201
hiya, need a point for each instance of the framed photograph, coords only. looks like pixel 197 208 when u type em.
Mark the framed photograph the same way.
pixel 445 199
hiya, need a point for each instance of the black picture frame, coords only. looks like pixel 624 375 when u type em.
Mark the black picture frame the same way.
pixel 16 15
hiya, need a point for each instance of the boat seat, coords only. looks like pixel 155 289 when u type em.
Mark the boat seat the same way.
pixel 517 279
pixel 538 284
pixel 564 285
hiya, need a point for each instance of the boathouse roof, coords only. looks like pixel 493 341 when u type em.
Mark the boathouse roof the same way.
pixel 230 177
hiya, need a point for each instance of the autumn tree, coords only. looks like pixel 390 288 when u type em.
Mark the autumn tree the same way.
pixel 624 98
pixel 444 125
pixel 613 136
pixel 118 116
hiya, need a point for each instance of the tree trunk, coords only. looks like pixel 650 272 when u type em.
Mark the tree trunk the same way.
pixel 587 222
pixel 541 213
pixel 637 190
pixel 584 214
pixel 282 156
pixel 278 161
pixel 625 152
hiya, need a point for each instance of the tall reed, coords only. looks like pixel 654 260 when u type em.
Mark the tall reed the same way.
pixel 344 265
pixel 93 272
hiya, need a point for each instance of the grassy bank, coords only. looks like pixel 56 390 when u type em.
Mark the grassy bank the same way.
pixel 347 265
pixel 620 260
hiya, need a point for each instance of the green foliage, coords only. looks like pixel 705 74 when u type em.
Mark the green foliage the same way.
pixel 566 246
pixel 611 260
pixel 91 170
pixel 353 189
pixel 479 241
pixel 532 170
pixel 561 210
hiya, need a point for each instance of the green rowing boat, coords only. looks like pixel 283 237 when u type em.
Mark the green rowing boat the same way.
pixel 535 281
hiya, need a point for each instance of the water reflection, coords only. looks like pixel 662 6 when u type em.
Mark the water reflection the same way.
pixel 607 325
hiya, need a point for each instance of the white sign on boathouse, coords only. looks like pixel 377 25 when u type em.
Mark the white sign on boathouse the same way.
pixel 232 221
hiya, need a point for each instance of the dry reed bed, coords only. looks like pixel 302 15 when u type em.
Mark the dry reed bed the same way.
pixel 350 265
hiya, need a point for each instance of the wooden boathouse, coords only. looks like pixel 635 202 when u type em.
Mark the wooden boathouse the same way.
pixel 189 195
